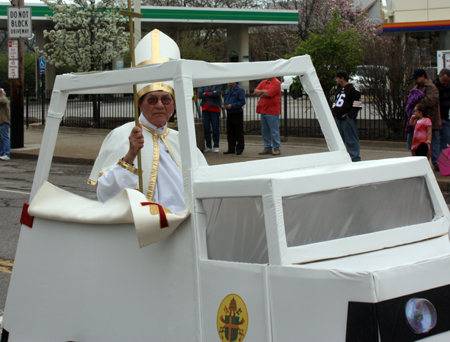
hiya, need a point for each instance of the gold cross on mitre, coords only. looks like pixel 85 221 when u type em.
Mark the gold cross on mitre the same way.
pixel 156 51
pixel 156 48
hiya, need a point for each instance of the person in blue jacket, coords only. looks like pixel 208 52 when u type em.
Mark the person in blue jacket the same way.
pixel 211 104
pixel 233 102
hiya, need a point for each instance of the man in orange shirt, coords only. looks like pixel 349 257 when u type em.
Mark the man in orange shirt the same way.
pixel 269 106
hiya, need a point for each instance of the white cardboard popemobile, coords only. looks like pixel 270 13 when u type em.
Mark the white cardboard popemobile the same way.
pixel 302 248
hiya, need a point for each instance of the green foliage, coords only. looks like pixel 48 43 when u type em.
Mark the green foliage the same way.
pixel 30 72
pixel 209 45
pixel 332 50
pixel 87 34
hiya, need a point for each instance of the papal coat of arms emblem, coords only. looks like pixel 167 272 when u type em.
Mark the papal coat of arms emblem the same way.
pixel 232 319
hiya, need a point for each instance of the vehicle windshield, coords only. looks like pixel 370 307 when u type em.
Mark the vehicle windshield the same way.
pixel 362 72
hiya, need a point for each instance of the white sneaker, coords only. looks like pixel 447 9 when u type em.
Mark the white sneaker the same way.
pixel 4 157
pixel 216 149
pixel 207 150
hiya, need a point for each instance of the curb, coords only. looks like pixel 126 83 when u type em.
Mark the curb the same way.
pixel 77 130
pixel 58 159
pixel 443 185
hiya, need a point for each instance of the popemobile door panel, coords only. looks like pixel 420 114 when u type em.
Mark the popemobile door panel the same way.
pixel 234 302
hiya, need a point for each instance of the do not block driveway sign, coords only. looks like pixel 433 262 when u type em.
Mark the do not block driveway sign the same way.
pixel 19 22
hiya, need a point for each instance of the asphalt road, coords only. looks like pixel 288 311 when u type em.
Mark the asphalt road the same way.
pixel 15 187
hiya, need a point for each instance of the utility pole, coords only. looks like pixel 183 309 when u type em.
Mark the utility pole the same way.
pixel 17 94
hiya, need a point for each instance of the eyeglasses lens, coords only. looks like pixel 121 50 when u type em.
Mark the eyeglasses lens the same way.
pixel 152 100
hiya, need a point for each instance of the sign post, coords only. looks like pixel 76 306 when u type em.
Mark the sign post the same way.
pixel 19 27
pixel 42 75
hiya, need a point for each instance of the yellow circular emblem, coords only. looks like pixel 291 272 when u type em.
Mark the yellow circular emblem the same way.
pixel 232 319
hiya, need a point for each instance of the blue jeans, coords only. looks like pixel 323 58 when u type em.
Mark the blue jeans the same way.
pixel 349 133
pixel 435 146
pixel 409 139
pixel 211 119
pixel 445 134
pixel 5 143
pixel 270 130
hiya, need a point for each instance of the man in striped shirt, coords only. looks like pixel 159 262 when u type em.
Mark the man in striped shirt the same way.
pixel 345 110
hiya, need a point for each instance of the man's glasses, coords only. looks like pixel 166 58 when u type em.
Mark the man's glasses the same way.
pixel 152 100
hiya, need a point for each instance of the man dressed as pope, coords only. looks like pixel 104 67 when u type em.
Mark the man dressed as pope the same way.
pixel 115 167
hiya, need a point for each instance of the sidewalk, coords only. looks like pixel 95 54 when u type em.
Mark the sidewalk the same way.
pixel 81 145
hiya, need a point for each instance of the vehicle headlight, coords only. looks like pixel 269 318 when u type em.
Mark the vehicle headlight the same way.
pixel 420 315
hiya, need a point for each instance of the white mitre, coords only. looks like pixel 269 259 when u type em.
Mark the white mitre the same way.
pixel 163 48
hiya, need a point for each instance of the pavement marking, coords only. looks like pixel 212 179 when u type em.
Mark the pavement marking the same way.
pixel 6 266
pixel 16 192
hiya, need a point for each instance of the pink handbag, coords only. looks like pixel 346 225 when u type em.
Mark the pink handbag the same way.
pixel 444 162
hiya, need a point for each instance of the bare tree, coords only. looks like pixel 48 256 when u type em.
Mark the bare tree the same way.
pixel 207 44
pixel 206 3
pixel 313 15
pixel 268 43
pixel 389 64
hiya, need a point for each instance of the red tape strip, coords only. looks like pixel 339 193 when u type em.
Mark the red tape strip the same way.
pixel 163 223
pixel 26 218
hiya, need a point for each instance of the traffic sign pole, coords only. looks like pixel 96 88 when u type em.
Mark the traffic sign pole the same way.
pixel 42 90
pixel 17 93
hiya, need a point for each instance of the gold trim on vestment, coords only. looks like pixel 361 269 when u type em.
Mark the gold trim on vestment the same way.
pixel 155 164
pixel 127 166
pixel 121 163
pixel 91 182
pixel 155 87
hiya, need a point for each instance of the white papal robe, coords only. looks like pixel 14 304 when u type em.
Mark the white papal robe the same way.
pixel 162 176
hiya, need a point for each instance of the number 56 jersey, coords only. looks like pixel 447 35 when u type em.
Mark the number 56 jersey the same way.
pixel 347 102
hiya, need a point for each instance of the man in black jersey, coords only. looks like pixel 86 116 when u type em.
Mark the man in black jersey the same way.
pixel 345 109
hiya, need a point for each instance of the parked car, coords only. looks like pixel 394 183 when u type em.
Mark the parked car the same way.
pixel 286 84
pixel 367 74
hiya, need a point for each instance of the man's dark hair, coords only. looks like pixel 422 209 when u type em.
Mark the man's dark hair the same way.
pixel 343 74
pixel 419 73
pixel 444 71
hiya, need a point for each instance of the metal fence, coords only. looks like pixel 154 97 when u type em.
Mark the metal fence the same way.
pixel 108 111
